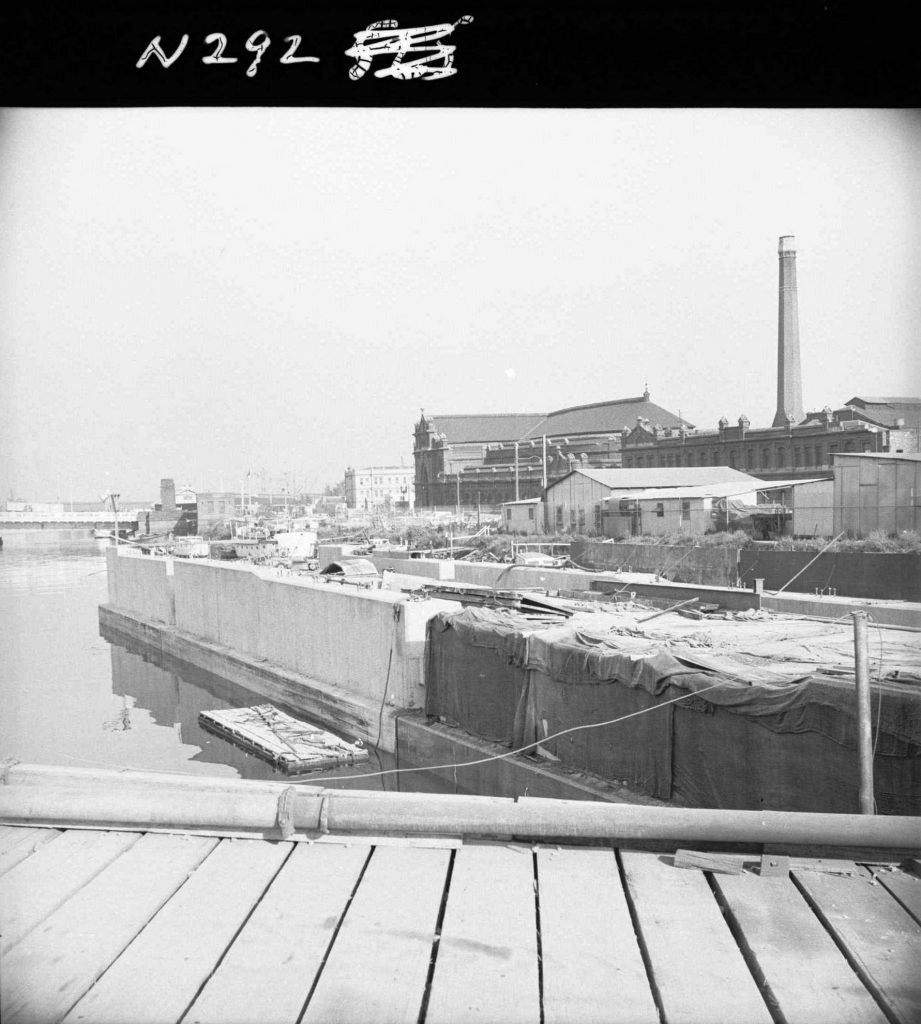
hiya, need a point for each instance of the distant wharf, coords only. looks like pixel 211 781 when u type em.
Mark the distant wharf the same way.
pixel 277 907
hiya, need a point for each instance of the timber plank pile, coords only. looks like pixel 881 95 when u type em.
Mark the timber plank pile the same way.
pixel 284 741
pixel 130 925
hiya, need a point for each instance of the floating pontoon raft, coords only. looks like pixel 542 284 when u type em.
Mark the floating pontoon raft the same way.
pixel 289 744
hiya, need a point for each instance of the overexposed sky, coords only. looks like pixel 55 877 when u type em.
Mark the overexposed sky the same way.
pixel 196 292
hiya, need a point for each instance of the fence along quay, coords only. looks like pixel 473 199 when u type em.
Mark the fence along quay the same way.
pixel 142 896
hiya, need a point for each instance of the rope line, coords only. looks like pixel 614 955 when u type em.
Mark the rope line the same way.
pixel 507 753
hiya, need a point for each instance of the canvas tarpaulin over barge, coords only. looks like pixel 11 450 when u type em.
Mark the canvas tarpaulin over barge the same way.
pixel 762 739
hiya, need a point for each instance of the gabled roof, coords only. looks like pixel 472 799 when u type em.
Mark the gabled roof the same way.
pixel 467 429
pixel 885 411
pixel 671 476
pixel 604 418
pixel 910 400
pixel 723 490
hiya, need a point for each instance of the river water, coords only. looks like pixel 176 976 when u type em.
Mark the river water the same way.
pixel 72 697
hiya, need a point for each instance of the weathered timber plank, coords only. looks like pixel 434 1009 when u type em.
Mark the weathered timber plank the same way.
pixel 807 975
pixel 906 887
pixel 17 842
pixel 486 967
pixel 377 968
pixel 37 886
pixel 593 968
pixel 268 971
pixel 698 969
pixel 161 972
pixel 51 968
pixel 878 934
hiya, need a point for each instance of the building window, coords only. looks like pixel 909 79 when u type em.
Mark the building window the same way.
pixel 685 510
pixel 765 458
pixel 581 520
pixel 598 517
pixel 734 459
pixel 660 509
pixel 750 459
pixel 807 456
pixel 508 514
pixel 559 517
pixel 629 462
pixel 531 513
pixel 781 457
pixel 819 457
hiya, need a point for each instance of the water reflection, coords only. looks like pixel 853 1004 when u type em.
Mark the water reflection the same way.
pixel 174 692
pixel 73 696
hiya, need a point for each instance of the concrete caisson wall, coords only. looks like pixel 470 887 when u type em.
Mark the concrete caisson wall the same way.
pixel 431 568
pixel 513 577
pixel 364 641
pixel 871 574
pixel 710 566
pixel 361 640
pixel 140 584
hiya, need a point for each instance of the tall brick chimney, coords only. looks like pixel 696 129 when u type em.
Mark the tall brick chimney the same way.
pixel 789 378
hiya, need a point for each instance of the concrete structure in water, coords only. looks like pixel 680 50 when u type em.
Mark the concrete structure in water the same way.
pixel 789 375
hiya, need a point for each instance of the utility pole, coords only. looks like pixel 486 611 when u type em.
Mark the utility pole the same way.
pixel 543 475
pixel 516 471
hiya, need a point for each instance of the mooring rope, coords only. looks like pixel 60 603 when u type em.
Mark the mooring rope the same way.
pixel 507 753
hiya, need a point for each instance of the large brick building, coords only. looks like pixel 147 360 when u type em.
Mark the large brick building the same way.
pixel 800 450
pixel 489 459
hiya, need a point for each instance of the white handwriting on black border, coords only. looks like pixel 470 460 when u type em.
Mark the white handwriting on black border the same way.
pixel 257 43
pixel 430 61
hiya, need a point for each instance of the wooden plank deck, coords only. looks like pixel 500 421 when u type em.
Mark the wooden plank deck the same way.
pixel 135 926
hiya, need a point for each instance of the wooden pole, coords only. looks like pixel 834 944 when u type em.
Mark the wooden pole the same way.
pixel 864 727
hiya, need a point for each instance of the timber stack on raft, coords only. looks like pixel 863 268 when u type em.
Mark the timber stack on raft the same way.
pixel 284 741
pixel 135 896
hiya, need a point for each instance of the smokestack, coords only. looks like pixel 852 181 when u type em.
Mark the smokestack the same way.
pixel 789 378
pixel 167 493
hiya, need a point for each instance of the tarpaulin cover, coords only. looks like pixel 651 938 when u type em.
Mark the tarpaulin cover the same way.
pixel 727 743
